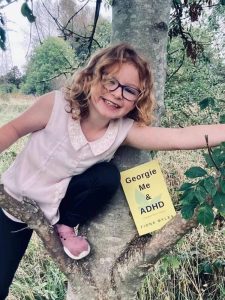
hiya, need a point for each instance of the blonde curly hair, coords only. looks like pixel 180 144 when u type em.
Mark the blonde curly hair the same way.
pixel 77 93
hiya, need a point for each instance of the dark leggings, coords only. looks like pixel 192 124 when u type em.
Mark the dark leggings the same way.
pixel 86 195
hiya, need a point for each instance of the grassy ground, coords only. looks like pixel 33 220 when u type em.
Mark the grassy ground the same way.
pixel 193 270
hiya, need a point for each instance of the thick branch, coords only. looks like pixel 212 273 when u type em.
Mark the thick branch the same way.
pixel 132 266
pixel 28 212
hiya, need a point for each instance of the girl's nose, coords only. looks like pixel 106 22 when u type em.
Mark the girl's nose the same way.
pixel 118 93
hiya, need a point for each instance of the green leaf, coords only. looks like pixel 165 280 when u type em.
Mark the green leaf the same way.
pixel 222 117
pixel 205 267
pixel 217 158
pixel 208 160
pixel 222 145
pixel 188 195
pixel 219 264
pixel 173 261
pixel 200 194
pixel 25 10
pixel 222 214
pixel 195 172
pixel 185 186
pixel 178 2
pixel 187 211
pixel 2 35
pixel 203 104
pixel 222 2
pixel 219 202
pixel 31 18
pixel 222 185
pixel 210 185
pixel 205 215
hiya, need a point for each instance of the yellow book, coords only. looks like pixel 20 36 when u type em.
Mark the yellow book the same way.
pixel 148 197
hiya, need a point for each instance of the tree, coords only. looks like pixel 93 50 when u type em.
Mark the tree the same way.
pixel 11 80
pixel 54 56
pixel 14 76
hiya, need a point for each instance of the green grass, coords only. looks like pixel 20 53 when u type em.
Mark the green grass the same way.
pixel 194 270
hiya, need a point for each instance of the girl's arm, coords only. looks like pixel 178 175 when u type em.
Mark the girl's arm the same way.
pixel 192 137
pixel 34 118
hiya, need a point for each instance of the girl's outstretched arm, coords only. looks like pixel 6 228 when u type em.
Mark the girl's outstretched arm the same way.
pixel 158 138
pixel 34 118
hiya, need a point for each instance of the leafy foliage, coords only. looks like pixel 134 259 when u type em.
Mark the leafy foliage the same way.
pixel 52 58
pixel 205 193
pixel 192 11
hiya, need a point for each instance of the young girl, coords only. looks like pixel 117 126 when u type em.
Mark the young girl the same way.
pixel 74 133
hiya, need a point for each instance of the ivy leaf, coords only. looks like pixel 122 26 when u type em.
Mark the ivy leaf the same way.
pixel 195 172
pixel 210 185
pixel 219 202
pixel 203 104
pixel 185 186
pixel 205 215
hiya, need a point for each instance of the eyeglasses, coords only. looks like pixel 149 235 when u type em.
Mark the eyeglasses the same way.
pixel 128 92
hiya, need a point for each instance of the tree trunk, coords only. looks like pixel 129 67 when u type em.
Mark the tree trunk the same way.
pixel 144 24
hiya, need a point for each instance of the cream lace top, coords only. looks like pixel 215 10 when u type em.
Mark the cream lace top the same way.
pixel 53 155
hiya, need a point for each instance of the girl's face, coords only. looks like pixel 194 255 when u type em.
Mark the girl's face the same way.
pixel 116 94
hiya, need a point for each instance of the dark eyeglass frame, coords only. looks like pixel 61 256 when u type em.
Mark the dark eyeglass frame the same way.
pixel 104 83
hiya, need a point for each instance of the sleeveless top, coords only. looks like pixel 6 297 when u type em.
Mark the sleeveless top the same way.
pixel 53 155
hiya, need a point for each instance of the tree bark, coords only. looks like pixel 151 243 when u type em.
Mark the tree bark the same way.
pixel 144 24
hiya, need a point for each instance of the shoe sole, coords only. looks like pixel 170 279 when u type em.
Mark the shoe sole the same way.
pixel 80 256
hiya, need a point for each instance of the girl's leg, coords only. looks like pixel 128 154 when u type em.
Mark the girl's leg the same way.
pixel 86 195
pixel 12 250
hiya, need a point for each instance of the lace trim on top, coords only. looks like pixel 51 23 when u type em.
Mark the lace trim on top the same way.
pixel 98 146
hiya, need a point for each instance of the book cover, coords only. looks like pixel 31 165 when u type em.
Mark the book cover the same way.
pixel 148 197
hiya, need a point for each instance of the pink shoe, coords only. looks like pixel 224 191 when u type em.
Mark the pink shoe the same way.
pixel 76 247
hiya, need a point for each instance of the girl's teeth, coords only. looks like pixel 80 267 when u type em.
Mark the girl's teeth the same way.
pixel 111 103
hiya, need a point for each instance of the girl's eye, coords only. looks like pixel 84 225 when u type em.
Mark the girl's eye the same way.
pixel 112 81
pixel 131 91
